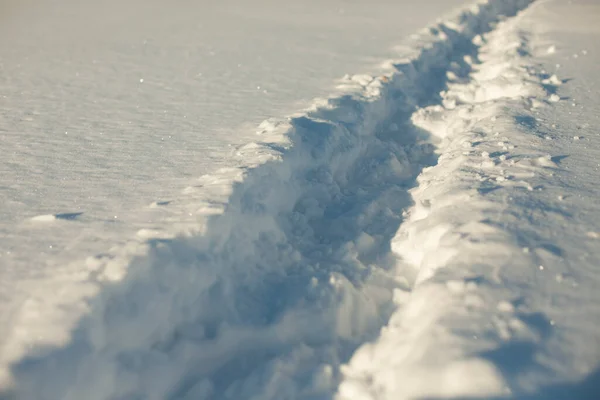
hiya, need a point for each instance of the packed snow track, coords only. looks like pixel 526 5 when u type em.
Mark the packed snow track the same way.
pixel 384 244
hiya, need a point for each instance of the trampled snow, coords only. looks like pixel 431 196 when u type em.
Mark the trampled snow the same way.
pixel 430 231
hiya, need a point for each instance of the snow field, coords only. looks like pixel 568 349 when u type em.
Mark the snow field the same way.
pixel 109 109
pixel 409 202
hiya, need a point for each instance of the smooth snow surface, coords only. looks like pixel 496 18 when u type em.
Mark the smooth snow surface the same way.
pixel 429 232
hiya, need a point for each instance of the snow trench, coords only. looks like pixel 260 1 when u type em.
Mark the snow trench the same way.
pixel 293 272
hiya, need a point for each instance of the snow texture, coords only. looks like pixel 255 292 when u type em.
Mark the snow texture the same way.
pixel 410 238
pixel 114 115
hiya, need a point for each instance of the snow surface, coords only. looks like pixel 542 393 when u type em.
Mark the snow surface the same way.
pixel 110 111
pixel 429 232
pixel 109 108
pixel 503 238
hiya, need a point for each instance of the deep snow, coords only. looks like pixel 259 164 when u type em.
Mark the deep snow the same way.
pixel 109 108
pixel 430 232
pixel 112 113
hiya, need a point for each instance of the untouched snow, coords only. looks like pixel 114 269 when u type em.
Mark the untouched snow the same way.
pixel 430 232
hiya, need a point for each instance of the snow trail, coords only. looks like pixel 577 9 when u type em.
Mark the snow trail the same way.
pixel 297 263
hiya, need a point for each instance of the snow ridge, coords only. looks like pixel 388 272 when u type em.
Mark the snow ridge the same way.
pixel 479 241
pixel 294 271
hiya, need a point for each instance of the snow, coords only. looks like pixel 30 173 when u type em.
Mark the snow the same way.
pixel 427 231
pixel 121 113
pixel 108 107
pixel 504 270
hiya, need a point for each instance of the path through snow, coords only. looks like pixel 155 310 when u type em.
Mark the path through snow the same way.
pixel 396 241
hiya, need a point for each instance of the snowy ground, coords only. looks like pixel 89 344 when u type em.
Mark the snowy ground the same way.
pixel 110 108
pixel 111 111
pixel 430 231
